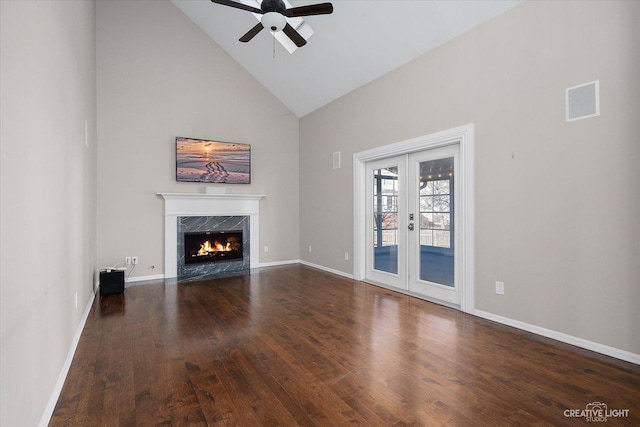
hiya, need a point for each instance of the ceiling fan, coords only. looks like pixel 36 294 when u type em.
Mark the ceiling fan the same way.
pixel 274 17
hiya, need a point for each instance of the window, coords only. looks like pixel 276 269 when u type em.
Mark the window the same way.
pixel 435 212
pixel 385 205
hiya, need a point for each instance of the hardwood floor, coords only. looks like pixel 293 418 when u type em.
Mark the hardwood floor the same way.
pixel 297 346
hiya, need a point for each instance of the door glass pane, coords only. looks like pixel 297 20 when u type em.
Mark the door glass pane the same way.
pixel 385 219
pixel 436 221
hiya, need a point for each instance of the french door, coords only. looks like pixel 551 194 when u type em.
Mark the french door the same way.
pixel 386 222
pixel 411 223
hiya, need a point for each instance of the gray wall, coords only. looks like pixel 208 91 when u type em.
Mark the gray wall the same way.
pixel 159 76
pixel 556 204
pixel 48 201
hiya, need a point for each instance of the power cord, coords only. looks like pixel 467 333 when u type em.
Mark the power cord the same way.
pixel 118 265
pixel 133 266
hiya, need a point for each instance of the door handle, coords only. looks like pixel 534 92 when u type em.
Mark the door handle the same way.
pixel 411 227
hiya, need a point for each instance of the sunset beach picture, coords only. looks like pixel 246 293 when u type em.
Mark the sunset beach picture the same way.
pixel 200 160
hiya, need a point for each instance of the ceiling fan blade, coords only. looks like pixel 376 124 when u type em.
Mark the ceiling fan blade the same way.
pixel 294 35
pixel 238 6
pixel 252 33
pixel 312 9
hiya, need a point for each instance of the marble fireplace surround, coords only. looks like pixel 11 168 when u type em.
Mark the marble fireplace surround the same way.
pixel 194 204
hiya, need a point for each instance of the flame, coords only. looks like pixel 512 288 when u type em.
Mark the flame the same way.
pixel 221 248
pixel 207 248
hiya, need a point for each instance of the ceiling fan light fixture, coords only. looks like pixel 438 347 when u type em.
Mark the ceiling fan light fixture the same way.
pixel 274 18
pixel 273 21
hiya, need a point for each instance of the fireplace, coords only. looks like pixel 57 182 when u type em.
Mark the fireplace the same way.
pixel 186 213
pixel 212 246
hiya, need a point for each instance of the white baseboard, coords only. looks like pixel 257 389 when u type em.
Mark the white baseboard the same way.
pixel 144 278
pixel 327 269
pixel 55 394
pixel 275 263
pixel 559 336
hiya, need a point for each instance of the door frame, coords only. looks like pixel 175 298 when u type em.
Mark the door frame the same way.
pixel 463 136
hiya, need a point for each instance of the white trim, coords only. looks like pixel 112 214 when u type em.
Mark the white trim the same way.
pixel 55 394
pixel 359 212
pixel 463 135
pixel 559 336
pixel 467 144
pixel 144 278
pixel 204 196
pixel 276 263
pixel 327 269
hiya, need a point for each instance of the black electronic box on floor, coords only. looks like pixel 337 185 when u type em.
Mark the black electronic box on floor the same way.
pixel 111 282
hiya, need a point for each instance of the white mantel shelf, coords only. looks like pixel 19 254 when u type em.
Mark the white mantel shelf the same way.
pixel 200 204
pixel 168 196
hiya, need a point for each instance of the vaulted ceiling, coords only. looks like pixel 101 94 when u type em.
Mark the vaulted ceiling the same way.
pixel 359 42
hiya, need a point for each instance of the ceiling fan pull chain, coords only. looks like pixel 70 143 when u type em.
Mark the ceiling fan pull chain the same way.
pixel 274 46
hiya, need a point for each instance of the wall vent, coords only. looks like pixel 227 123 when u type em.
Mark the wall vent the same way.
pixel 336 160
pixel 583 101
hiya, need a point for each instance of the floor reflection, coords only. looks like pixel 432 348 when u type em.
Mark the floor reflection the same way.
pixel 111 305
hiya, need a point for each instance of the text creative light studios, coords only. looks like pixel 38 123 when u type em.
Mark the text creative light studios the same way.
pixel 596 411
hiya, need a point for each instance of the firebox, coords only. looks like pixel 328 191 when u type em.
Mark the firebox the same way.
pixel 212 246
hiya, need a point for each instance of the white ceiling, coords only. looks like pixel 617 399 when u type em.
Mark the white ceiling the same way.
pixel 359 42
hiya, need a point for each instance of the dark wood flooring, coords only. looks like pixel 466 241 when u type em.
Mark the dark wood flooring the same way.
pixel 294 345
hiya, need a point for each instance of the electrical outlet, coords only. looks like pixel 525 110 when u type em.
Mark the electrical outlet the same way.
pixel 500 288
pixel 134 260
pixel 346 256
pixel 266 248
pixel 127 260
pixel 309 248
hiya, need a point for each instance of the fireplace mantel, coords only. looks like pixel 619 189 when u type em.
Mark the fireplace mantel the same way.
pixel 178 196
pixel 198 204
